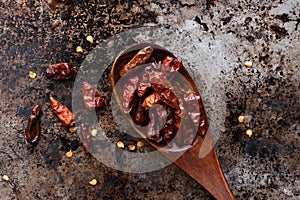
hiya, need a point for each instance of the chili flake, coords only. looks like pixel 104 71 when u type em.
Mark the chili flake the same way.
pixel 241 118
pixel 5 178
pixel 94 132
pixel 93 182
pixel 73 129
pixel 249 132
pixel 248 64
pixel 120 144
pixel 131 147
pixel 140 144
pixel 32 74
pixel 69 154
pixel 90 39
pixel 79 49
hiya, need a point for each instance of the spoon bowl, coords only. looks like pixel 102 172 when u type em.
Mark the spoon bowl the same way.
pixel 198 160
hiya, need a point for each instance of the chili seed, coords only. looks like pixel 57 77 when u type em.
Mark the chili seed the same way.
pixel 248 64
pixel 120 144
pixel 249 132
pixel 241 118
pixel 94 132
pixel 90 39
pixel 131 147
pixel 5 178
pixel 69 154
pixel 32 74
pixel 140 144
pixel 79 49
pixel 73 129
pixel 93 182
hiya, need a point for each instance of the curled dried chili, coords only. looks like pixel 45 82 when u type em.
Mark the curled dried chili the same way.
pixel 62 112
pixel 140 58
pixel 62 71
pixel 91 98
pixel 128 93
pixel 32 131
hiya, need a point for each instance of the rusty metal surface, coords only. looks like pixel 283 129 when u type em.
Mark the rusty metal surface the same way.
pixel 265 166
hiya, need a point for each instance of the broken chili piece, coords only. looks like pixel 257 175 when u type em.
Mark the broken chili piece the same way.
pixel 62 71
pixel 62 112
pixel 86 138
pixel 32 131
pixel 139 59
pixel 91 98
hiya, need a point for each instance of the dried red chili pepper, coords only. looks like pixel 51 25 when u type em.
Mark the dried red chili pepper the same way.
pixel 139 59
pixel 151 100
pixel 168 132
pixel 86 138
pixel 143 88
pixel 128 93
pixel 153 128
pixel 62 112
pixel 171 64
pixel 91 98
pixel 138 113
pixel 193 102
pixel 188 129
pixel 32 131
pixel 62 71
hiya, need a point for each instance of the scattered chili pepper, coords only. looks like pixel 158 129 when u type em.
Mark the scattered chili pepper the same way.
pixel 62 112
pixel 91 98
pixel 32 131
pixel 140 58
pixel 86 139
pixel 62 71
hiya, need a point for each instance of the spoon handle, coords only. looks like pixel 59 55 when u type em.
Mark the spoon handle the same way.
pixel 205 170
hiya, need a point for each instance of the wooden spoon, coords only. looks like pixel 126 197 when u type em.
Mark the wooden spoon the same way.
pixel 199 160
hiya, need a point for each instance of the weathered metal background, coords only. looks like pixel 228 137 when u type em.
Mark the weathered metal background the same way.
pixel 265 166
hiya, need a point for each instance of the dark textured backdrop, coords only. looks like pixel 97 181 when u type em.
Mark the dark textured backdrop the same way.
pixel 265 166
